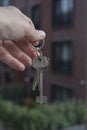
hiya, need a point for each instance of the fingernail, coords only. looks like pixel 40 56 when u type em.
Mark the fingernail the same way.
pixel 42 34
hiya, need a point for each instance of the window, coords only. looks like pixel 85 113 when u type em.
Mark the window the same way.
pixel 5 2
pixel 36 16
pixel 62 13
pixel 62 57
pixel 9 77
pixel 60 93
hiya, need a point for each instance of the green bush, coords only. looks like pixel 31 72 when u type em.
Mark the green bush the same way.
pixel 42 117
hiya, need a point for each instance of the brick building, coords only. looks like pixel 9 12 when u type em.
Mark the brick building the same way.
pixel 64 22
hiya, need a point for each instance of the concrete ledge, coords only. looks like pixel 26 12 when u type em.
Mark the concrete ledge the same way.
pixel 82 127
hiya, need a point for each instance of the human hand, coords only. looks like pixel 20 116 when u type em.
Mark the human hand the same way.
pixel 15 30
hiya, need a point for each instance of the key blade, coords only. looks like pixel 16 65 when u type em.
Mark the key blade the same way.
pixel 34 85
pixel 41 86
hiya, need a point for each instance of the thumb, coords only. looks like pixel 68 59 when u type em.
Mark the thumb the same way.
pixel 35 35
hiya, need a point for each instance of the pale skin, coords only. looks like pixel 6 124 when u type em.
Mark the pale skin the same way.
pixel 17 35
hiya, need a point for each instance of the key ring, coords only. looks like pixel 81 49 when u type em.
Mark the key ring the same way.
pixel 40 45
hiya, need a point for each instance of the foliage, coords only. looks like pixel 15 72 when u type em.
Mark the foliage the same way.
pixel 42 117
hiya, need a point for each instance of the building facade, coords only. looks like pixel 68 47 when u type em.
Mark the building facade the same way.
pixel 65 23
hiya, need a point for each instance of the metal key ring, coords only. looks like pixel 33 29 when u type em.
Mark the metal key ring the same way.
pixel 40 45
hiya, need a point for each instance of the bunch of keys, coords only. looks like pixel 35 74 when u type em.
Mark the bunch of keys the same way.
pixel 40 63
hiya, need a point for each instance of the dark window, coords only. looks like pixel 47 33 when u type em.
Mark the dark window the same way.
pixel 60 93
pixel 62 13
pixel 62 57
pixel 36 16
pixel 9 77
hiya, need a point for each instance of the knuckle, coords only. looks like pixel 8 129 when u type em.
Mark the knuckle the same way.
pixel 30 21
pixel 21 55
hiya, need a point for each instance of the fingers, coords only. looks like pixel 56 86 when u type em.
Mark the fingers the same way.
pixel 10 60
pixel 27 48
pixel 17 53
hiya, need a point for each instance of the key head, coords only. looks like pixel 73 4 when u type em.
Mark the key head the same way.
pixel 40 62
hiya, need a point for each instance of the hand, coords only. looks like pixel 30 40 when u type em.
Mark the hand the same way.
pixel 15 30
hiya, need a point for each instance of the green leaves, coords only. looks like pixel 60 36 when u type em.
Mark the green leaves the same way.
pixel 42 117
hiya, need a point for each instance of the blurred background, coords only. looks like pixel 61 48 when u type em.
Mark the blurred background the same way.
pixel 64 22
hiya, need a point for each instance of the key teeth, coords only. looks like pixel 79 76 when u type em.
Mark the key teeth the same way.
pixel 45 100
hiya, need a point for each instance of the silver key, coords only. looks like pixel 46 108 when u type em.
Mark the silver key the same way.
pixel 37 61
pixel 40 63
pixel 41 99
pixel 34 85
